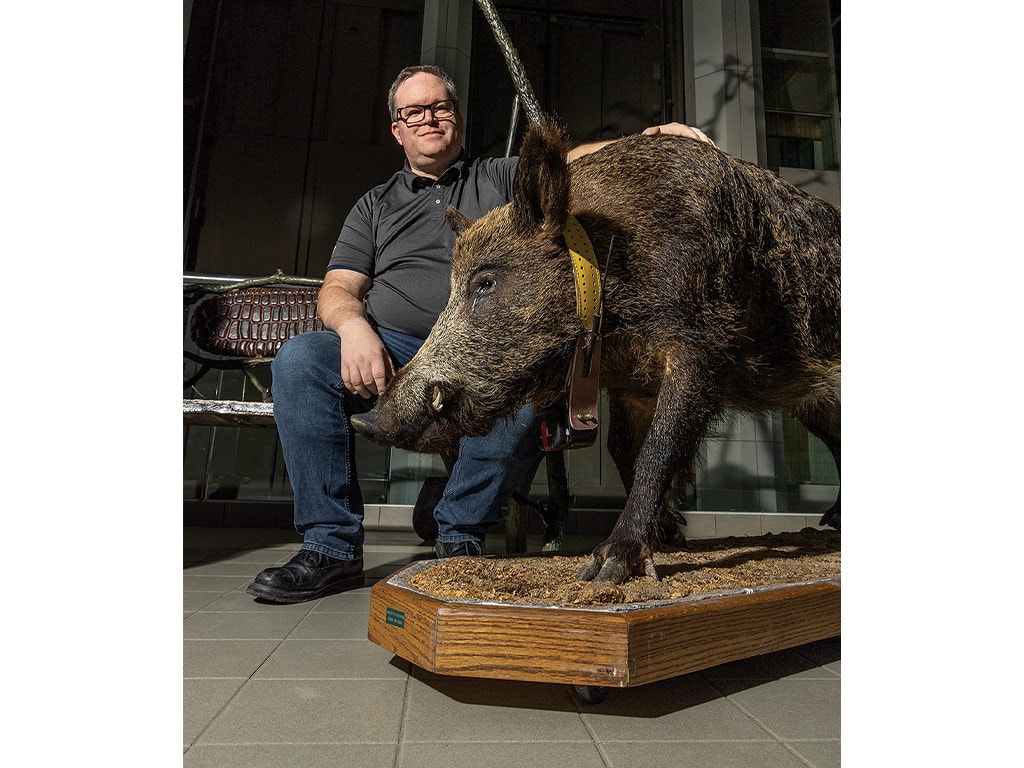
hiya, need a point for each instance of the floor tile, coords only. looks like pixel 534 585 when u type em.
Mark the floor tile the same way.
pixel 819 754
pixel 291 756
pixel 794 708
pixel 521 754
pixel 384 571
pixel 311 711
pixel 353 601
pixel 225 658
pixel 449 709
pixel 238 601
pixel 335 625
pixel 199 583
pixel 239 538
pixel 769 666
pixel 331 659
pixel 697 754
pixel 240 625
pixel 195 601
pixel 249 559
pixel 193 556
pixel 203 699
pixel 825 653
pixel 246 569
pixel 684 707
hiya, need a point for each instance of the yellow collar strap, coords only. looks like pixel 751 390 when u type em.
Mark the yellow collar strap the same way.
pixel 588 276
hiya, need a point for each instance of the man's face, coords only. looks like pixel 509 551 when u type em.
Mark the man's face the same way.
pixel 432 144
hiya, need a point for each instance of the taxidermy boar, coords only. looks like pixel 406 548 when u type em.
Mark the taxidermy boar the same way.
pixel 721 290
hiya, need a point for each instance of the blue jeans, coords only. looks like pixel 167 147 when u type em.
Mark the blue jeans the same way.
pixel 312 407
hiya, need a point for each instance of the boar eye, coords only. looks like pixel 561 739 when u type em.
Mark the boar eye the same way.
pixel 480 286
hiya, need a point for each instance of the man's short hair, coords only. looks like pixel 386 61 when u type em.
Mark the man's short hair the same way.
pixel 408 72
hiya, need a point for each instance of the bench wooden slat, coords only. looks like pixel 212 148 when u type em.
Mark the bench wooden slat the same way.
pixel 228 413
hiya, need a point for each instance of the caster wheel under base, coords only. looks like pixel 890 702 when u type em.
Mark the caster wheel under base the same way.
pixel 589 694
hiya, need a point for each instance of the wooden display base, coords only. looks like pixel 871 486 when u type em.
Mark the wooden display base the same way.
pixel 611 646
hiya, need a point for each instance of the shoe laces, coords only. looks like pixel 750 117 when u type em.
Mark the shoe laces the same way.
pixel 310 558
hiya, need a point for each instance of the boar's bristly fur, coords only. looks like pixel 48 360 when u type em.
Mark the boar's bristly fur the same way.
pixel 722 290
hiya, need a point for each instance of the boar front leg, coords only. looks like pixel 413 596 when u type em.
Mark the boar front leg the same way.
pixel 684 411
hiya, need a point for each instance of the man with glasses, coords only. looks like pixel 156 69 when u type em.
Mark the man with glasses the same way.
pixel 386 284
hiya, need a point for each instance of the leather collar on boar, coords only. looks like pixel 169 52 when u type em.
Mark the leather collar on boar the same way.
pixel 722 291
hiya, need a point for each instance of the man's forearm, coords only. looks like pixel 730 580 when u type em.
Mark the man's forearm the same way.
pixel 337 307
pixel 675 129
pixel 586 149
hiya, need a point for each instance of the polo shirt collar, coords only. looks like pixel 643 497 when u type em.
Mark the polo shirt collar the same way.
pixel 452 174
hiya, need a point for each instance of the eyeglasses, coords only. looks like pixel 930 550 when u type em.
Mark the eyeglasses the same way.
pixel 414 113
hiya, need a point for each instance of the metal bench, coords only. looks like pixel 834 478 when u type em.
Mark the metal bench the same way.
pixel 241 323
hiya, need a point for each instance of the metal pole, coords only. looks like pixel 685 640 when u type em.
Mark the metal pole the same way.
pixel 513 124
pixel 515 66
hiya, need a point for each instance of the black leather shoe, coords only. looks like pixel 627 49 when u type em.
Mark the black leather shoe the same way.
pixel 446 549
pixel 306 576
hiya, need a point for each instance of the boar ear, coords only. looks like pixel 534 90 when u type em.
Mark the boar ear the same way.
pixel 456 218
pixel 541 197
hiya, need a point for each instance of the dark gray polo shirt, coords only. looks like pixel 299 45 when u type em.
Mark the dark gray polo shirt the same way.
pixel 397 235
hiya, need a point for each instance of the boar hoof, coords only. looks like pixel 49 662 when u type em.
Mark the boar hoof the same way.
pixel 611 570
pixel 589 569
pixel 650 570
pixel 830 518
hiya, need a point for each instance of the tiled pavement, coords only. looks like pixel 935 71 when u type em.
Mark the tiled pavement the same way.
pixel 301 685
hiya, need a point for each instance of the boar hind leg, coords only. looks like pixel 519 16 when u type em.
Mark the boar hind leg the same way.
pixel 630 419
pixel 822 419
pixel 682 414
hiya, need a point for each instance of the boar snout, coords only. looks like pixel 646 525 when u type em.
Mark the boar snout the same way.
pixel 367 425
pixel 411 419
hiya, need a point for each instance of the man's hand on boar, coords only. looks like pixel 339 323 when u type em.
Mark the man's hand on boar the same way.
pixel 678 129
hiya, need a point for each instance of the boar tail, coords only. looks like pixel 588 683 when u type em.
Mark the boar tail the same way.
pixel 541 196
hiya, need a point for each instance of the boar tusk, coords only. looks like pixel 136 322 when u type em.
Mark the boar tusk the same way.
pixel 437 403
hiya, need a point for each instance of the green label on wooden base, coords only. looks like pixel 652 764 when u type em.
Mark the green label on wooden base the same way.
pixel 391 616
